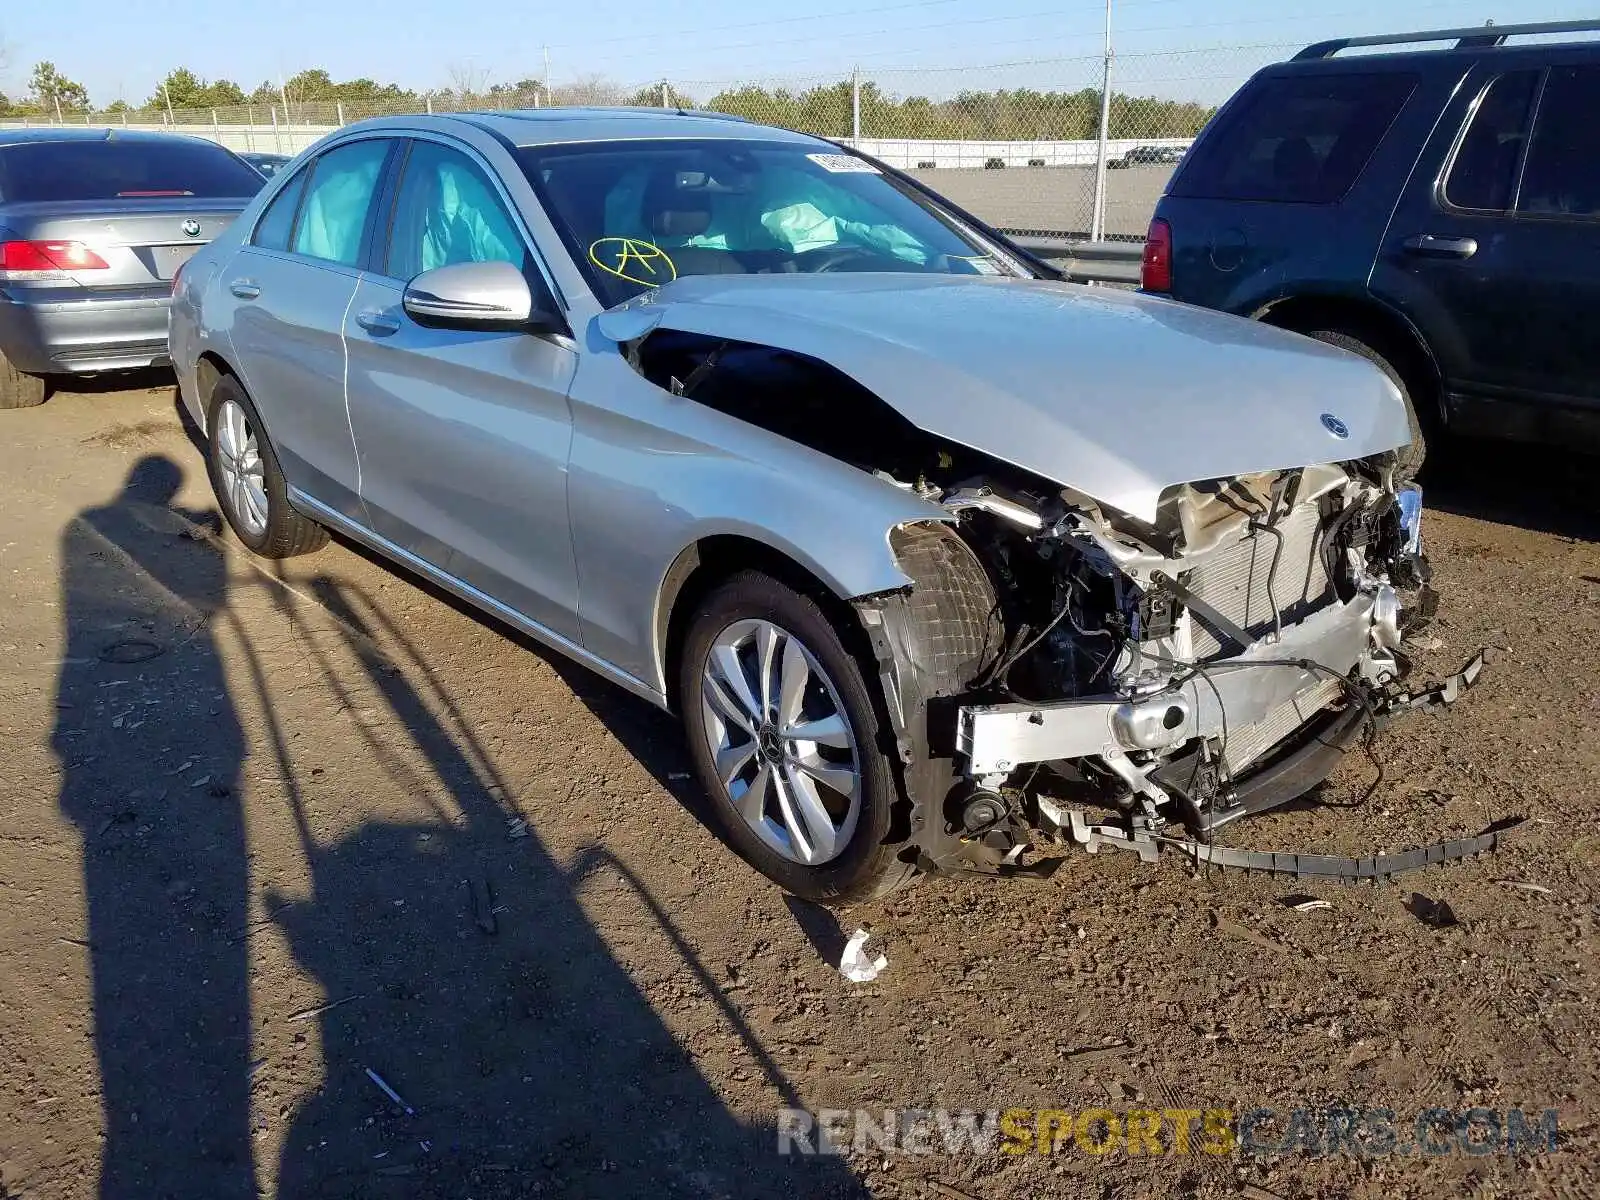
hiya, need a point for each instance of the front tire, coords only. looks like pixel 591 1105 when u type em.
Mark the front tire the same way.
pixel 784 737
pixel 18 389
pixel 248 481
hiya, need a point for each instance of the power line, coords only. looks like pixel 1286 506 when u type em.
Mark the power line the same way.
pixel 807 18
pixel 857 35
pixel 836 63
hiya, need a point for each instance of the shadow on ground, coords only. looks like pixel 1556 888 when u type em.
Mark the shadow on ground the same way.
pixel 457 962
pixel 164 858
pixel 1530 487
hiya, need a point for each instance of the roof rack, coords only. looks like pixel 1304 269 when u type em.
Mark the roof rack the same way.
pixel 1473 38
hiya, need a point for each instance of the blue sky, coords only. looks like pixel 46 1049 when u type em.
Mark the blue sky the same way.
pixel 118 49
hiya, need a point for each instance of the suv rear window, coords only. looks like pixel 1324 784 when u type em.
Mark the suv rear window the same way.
pixel 125 169
pixel 1298 139
pixel 1562 178
pixel 1485 167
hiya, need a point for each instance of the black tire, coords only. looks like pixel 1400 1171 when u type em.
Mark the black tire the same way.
pixel 868 866
pixel 1412 456
pixel 286 532
pixel 18 389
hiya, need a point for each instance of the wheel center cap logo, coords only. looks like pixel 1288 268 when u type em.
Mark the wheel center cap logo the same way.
pixel 768 742
pixel 191 227
pixel 1335 426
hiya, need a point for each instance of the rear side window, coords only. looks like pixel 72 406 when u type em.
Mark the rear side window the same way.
pixel 334 217
pixel 1484 173
pixel 126 168
pixel 277 223
pixel 1562 178
pixel 1300 139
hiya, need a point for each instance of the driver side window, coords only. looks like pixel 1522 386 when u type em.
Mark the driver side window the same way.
pixel 447 212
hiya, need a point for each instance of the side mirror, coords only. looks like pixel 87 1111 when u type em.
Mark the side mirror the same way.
pixel 477 295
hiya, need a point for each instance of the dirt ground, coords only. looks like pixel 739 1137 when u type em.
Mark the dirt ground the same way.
pixel 263 831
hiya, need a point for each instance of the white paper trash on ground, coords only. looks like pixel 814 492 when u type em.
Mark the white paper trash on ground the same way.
pixel 854 964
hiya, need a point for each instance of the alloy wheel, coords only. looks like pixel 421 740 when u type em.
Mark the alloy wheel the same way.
pixel 244 479
pixel 781 741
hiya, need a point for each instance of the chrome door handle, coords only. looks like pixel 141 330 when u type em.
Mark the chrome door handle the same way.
pixel 377 322
pixel 1432 246
pixel 245 289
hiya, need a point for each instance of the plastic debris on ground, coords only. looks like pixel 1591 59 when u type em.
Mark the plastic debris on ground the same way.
pixel 854 964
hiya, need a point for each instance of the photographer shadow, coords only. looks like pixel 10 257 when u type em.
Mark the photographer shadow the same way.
pixel 464 972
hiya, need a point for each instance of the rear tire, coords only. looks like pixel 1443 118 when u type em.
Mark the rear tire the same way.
pixel 18 389
pixel 862 864
pixel 248 481
pixel 1413 456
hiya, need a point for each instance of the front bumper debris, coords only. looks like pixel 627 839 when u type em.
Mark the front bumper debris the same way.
pixel 1435 695
pixel 1148 846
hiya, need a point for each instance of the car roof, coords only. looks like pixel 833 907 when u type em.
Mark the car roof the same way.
pixel 24 135
pixel 553 126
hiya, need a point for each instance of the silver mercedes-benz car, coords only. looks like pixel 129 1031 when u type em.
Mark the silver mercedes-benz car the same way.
pixel 934 554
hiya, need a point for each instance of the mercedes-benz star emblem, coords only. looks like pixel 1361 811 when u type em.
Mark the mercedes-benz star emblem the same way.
pixel 1335 426
pixel 191 227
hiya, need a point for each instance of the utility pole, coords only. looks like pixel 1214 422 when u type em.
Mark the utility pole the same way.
pixel 1097 223
pixel 547 98
pixel 166 94
pixel 855 108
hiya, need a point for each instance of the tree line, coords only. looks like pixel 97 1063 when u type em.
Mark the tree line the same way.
pixel 49 91
pixel 1019 114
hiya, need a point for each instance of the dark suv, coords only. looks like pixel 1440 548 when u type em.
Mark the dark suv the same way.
pixel 1436 210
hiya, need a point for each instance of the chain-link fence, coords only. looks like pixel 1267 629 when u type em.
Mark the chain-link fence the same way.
pixel 1075 146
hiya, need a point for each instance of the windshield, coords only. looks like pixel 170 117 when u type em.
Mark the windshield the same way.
pixel 636 215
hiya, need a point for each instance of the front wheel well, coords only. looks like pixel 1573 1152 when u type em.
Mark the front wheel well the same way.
pixel 705 564
pixel 1387 332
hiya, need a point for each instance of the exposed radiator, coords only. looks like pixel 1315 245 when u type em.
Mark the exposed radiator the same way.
pixel 1250 743
pixel 1234 580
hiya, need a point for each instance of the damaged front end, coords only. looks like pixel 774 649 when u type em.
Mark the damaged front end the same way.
pixel 1176 655
pixel 1176 675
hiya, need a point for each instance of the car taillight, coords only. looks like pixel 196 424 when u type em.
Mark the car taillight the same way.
pixel 46 260
pixel 1155 275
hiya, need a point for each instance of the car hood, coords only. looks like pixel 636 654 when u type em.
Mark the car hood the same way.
pixel 1115 394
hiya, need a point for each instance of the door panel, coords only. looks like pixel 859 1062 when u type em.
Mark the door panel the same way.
pixel 1446 257
pixel 1555 239
pixel 287 332
pixel 464 440
pixel 464 433
pixel 290 291
pixel 1499 293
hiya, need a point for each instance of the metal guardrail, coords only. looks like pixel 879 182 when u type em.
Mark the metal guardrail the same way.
pixel 1086 261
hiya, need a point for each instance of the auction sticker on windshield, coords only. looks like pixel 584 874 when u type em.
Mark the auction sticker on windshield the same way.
pixel 844 164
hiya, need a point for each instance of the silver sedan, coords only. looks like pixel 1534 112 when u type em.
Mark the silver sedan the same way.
pixel 94 223
pixel 768 434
